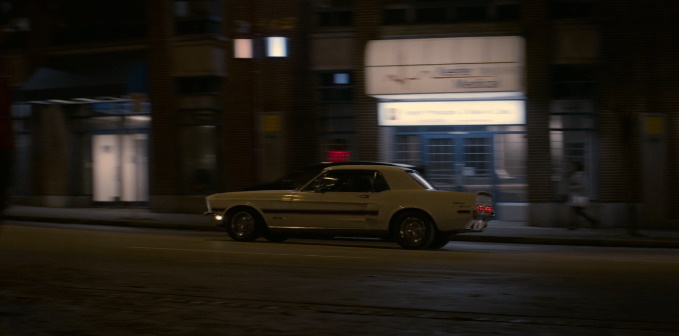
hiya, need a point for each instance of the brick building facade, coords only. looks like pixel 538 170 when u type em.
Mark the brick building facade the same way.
pixel 597 83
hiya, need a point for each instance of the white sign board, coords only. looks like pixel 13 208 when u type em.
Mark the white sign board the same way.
pixel 445 65
pixel 434 113
pixel 443 78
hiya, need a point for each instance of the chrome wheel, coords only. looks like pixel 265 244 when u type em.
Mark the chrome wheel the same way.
pixel 243 225
pixel 415 231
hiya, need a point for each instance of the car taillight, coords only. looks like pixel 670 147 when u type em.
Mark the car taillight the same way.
pixel 484 209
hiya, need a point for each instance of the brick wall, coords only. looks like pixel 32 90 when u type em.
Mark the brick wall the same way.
pixel 538 39
pixel 164 158
pixel 367 16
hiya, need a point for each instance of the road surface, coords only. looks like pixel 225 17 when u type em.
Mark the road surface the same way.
pixel 83 280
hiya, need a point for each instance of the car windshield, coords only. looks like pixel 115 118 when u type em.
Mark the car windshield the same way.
pixel 420 180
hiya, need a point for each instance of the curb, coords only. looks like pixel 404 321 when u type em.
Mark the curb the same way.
pixel 651 243
pixel 141 224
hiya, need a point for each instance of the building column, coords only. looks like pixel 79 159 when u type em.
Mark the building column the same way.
pixel 164 167
pixel 366 21
pixel 51 155
pixel 538 60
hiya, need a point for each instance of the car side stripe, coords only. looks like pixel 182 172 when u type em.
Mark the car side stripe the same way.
pixel 323 212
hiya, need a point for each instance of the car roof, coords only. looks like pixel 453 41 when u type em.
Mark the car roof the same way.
pixel 365 163
pixel 370 166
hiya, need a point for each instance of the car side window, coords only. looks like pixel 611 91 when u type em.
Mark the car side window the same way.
pixel 380 183
pixel 347 181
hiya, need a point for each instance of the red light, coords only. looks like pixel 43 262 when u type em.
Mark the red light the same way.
pixel 336 156
pixel 479 208
pixel 489 209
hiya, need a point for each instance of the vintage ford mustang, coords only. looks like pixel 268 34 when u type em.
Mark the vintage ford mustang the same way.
pixel 382 201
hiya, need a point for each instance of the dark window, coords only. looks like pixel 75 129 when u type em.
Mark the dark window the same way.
pixel 508 12
pixel 431 15
pixel 395 16
pixel 336 87
pixel 334 13
pixel 335 19
pixel 572 81
pixel 571 9
pixel 199 84
pixel 472 13
pixel 82 21
pixel 345 181
pixel 197 26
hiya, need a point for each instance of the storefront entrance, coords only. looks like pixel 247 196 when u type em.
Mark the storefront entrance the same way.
pixel 488 158
pixel 460 162
pixel 120 168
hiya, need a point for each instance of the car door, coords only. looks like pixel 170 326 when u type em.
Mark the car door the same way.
pixel 339 200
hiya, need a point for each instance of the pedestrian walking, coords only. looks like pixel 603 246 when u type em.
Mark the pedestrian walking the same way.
pixel 577 197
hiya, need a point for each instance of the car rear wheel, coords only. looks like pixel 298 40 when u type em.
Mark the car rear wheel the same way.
pixel 414 231
pixel 243 225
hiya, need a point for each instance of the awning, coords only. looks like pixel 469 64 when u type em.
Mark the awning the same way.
pixel 87 76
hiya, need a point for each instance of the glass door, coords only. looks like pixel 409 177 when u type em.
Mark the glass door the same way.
pixel 120 168
pixel 460 162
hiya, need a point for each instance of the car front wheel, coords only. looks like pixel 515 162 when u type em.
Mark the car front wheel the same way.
pixel 243 225
pixel 414 231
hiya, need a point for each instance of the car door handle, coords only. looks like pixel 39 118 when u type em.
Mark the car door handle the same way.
pixel 364 196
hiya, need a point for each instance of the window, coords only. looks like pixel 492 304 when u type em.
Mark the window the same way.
pixel 197 26
pixel 472 13
pixel 571 9
pixel 361 181
pixel 400 12
pixel 572 81
pixel 334 13
pixel 21 175
pixel 276 46
pixel 199 159
pixel 407 149
pixel 201 84
pixel 242 48
pixel 508 12
pixel 336 113
pixel 395 16
pixel 464 158
pixel 198 17
pixel 431 15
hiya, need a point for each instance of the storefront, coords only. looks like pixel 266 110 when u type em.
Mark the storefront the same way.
pixel 455 106
pixel 82 127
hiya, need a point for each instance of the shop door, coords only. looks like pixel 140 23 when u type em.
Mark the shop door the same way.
pixel 460 162
pixel 120 168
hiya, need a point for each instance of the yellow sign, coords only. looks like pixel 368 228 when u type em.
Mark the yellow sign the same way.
pixel 271 123
pixel 654 125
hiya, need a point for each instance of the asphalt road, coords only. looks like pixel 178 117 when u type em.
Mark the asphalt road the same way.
pixel 85 280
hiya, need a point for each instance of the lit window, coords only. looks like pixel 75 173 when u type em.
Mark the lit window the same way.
pixel 276 47
pixel 341 78
pixel 242 48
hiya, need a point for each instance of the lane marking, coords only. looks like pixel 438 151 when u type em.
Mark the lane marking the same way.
pixel 253 253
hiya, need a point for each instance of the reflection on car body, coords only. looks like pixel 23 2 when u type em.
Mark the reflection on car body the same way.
pixel 298 178
pixel 383 201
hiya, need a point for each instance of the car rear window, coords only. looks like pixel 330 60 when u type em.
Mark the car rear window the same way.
pixel 420 180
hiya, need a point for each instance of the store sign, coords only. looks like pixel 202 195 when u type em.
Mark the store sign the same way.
pixel 445 65
pixel 434 113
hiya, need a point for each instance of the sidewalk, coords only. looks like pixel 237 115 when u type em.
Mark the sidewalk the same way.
pixel 497 231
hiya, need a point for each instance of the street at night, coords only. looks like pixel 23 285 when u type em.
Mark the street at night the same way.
pixel 86 280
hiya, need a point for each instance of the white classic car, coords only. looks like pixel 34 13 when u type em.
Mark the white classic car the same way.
pixel 382 201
